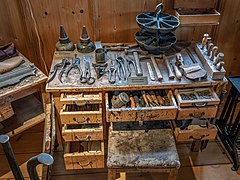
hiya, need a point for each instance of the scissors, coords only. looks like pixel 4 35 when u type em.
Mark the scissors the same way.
pixel 87 77
pixel 112 71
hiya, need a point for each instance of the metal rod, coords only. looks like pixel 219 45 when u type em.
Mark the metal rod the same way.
pixel 4 140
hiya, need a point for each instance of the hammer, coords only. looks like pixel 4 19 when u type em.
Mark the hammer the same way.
pixel 135 53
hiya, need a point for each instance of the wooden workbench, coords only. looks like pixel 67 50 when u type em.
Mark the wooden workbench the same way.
pixel 72 85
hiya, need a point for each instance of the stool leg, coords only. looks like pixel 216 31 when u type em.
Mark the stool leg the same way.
pixel 112 174
pixel 173 174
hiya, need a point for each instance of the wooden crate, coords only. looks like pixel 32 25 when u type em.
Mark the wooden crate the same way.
pixel 142 113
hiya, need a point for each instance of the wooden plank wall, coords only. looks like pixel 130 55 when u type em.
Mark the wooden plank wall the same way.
pixel 33 25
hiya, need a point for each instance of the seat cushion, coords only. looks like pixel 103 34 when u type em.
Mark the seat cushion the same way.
pixel 140 149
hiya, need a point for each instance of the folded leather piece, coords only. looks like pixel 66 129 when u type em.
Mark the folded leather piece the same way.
pixel 8 51
pixel 9 64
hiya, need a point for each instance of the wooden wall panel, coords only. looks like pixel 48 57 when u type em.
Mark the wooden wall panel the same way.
pixel 106 20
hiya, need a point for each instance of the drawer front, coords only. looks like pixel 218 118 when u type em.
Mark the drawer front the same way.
pixel 81 117
pixel 142 113
pixel 84 160
pixel 195 134
pixel 81 99
pixel 90 134
pixel 190 113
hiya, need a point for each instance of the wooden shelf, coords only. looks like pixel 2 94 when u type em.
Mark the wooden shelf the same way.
pixel 28 112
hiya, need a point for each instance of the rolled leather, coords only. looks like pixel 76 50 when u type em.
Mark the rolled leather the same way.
pixel 8 51
pixel 9 64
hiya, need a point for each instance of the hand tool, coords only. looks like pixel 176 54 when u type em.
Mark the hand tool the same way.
pixel 209 41
pixel 159 98
pixel 150 100
pixel 150 70
pixel 100 69
pixel 186 65
pixel 75 64
pixel 64 44
pixel 17 75
pixel 87 78
pixel 112 72
pixel 43 158
pixel 214 52
pixel 219 58
pixel 220 65
pixel 129 62
pixel 65 62
pixel 145 98
pixel 4 140
pixel 54 72
pixel 209 49
pixel 170 73
pixel 204 40
pixel 121 68
pixel 178 74
pixel 142 102
pixel 85 45
pixel 154 97
pixel 157 70
pixel 136 101
pixel 135 53
pixel 11 63
pixel 132 102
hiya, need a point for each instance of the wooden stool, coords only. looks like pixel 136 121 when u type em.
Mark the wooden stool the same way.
pixel 141 151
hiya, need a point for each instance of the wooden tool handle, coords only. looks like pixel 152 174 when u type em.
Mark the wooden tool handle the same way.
pixel 154 97
pixel 170 73
pixel 132 102
pixel 150 100
pixel 219 58
pixel 138 65
pixel 150 70
pixel 145 98
pixel 160 99
pixel 136 100
pixel 214 52
pixel 209 48
pixel 157 70
pixel 177 72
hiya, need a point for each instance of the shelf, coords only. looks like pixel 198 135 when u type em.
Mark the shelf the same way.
pixel 28 112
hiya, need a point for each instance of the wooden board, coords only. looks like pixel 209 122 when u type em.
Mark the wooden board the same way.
pixel 194 4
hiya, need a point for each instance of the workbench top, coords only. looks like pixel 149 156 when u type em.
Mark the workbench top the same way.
pixel 73 84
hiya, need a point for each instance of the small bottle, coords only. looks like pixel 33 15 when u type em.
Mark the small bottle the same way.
pixel 85 45
pixel 64 44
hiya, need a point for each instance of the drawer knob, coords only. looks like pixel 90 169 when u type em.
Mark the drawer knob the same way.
pixel 83 139
pixel 83 104
pixel 191 137
pixel 81 121
pixel 87 164
pixel 197 116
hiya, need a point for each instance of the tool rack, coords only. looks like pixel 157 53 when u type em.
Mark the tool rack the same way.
pixel 97 119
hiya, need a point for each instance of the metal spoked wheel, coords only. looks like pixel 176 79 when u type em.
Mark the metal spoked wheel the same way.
pixel 157 21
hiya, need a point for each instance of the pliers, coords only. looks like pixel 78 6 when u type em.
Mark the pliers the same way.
pixel 87 78
pixel 120 66
pixel 56 67
pixel 112 72
pixel 75 64
pixel 130 61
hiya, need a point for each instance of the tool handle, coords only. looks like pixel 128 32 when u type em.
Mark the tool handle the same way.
pixel 157 70
pixel 138 65
pixel 136 100
pixel 214 52
pixel 4 140
pixel 145 98
pixel 177 72
pixel 154 97
pixel 150 100
pixel 170 73
pixel 132 102
pixel 152 76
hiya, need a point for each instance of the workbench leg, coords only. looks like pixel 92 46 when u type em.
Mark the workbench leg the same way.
pixel 112 174
pixel 196 146
pixel 173 174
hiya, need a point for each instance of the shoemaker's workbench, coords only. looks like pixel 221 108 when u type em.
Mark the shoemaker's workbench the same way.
pixel 83 110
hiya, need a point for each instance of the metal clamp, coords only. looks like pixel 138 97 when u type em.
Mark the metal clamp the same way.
pixel 191 137
pixel 82 104
pixel 195 116
pixel 81 121
pixel 87 164
pixel 88 137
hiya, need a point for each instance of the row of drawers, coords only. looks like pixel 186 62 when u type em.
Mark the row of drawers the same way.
pixel 82 113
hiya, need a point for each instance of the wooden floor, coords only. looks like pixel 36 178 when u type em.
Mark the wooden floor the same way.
pixel 210 164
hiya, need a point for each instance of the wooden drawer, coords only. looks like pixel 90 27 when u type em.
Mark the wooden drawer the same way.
pixel 194 112
pixel 73 114
pixel 195 132
pixel 81 98
pixel 142 113
pixel 194 4
pixel 87 159
pixel 80 132
pixel 198 16
pixel 196 97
